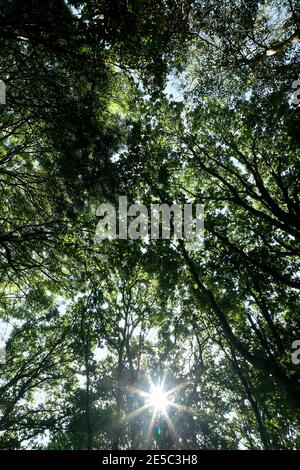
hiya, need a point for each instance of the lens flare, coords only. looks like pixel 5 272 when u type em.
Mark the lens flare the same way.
pixel 158 399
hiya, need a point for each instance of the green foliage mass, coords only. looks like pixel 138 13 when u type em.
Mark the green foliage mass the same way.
pixel 160 101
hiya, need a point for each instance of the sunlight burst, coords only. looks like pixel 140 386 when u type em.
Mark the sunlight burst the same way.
pixel 158 399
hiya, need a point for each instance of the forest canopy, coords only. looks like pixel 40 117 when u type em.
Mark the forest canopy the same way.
pixel 145 344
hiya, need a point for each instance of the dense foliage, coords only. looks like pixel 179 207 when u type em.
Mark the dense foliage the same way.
pixel 160 101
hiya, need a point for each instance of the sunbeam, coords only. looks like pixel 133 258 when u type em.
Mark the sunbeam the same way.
pixel 159 399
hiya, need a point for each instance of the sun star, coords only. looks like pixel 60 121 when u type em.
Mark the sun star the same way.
pixel 158 399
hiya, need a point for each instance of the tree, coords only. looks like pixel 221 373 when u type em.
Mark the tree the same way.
pixel 126 344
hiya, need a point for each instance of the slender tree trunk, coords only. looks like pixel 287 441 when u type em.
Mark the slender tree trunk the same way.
pixel 119 403
pixel 88 405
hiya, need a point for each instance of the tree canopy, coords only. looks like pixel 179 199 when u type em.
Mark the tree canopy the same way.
pixel 146 344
